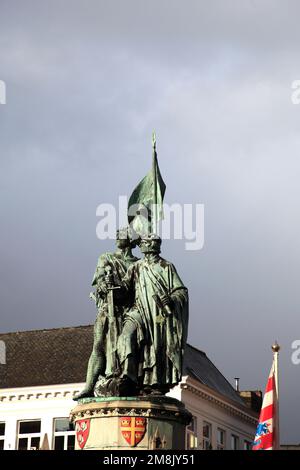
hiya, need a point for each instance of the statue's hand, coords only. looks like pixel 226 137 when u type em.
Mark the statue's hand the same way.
pixel 108 279
pixel 102 289
pixel 166 300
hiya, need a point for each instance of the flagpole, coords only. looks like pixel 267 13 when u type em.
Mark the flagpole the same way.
pixel 154 208
pixel 276 349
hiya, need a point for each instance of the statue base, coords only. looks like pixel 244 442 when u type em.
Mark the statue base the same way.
pixel 124 423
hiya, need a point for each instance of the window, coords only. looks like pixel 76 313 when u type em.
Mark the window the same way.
pixel 64 434
pixel 234 442
pixel 221 435
pixel 206 433
pixel 191 434
pixel 247 445
pixel 29 435
pixel 2 435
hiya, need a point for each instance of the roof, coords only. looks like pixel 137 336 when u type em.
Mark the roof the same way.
pixel 60 356
pixel 198 365
pixel 46 357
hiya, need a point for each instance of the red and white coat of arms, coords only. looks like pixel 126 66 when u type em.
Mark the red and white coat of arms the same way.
pixel 82 429
pixel 133 429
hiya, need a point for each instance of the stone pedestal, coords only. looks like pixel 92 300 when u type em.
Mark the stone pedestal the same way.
pixel 126 423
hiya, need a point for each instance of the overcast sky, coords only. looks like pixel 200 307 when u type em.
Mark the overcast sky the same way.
pixel 87 82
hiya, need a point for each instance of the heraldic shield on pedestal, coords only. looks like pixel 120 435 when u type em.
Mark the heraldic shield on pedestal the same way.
pixel 133 429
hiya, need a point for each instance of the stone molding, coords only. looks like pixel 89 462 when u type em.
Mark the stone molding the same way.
pixel 166 408
pixel 231 409
pixel 38 395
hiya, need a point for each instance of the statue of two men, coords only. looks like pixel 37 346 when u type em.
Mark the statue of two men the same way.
pixel 139 350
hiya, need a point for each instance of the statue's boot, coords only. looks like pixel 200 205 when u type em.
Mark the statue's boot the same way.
pixel 85 393
pixel 127 387
pixel 94 368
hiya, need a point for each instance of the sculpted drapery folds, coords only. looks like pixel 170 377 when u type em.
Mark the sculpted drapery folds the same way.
pixel 151 345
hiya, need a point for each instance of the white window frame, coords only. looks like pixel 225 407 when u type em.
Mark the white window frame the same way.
pixel 192 434
pixel 2 438
pixel 29 436
pixel 66 434
pixel 247 445
pixel 205 439
pixel 221 445
pixel 236 439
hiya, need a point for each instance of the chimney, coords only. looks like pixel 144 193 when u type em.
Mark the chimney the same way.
pixel 237 383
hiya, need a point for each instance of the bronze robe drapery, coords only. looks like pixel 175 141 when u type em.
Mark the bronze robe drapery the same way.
pixel 160 337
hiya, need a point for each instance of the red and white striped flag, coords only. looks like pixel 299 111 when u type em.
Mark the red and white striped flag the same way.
pixel 267 432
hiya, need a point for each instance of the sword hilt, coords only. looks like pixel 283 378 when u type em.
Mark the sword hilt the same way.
pixel 109 279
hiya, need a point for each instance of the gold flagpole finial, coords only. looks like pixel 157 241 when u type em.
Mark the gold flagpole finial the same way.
pixel 275 347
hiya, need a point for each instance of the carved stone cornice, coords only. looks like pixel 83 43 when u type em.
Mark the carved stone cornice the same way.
pixel 166 408
pixel 230 408
pixel 38 395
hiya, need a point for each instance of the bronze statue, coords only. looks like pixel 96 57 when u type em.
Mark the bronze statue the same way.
pixel 141 326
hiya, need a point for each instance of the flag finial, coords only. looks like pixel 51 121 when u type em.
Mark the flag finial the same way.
pixel 154 140
pixel 275 347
